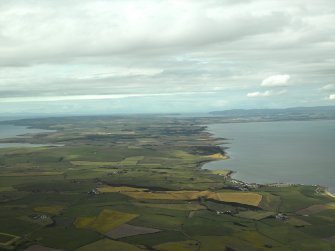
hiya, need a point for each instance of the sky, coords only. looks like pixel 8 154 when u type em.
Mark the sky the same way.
pixel 152 56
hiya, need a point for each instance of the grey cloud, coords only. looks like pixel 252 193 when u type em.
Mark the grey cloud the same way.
pixel 44 33
pixel 55 48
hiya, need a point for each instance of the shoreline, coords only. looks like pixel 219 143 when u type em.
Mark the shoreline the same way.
pixel 329 193
pixel 231 173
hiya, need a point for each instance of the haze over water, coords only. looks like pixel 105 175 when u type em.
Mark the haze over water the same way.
pixel 12 131
pixel 291 152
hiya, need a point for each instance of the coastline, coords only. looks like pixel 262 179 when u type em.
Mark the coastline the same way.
pixel 231 173
pixel 329 193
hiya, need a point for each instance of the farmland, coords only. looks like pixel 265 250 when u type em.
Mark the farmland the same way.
pixel 248 198
pixel 136 183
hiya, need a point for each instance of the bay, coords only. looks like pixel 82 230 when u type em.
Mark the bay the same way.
pixel 12 131
pixel 301 152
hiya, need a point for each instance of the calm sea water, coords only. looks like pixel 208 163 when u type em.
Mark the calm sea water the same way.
pixel 291 152
pixel 11 131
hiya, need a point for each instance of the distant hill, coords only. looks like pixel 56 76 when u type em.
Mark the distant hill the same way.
pixel 300 113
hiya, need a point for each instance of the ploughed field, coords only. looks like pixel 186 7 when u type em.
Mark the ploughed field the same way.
pixel 136 183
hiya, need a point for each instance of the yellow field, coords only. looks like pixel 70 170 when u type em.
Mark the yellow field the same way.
pixel 252 199
pixel 110 189
pixel 105 221
pixel 187 156
pixel 183 207
pixel 188 245
pixel 109 219
pixel 56 209
pixel 184 155
pixel 217 156
pixel 92 163
pixel 173 195
pixel 221 172
pixel 246 198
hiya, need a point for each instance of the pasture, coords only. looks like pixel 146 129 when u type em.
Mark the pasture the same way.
pixel 139 180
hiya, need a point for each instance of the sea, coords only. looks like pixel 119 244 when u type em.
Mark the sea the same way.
pixel 299 152
pixel 13 131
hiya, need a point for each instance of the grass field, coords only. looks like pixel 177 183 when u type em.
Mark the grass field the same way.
pixel 7 241
pixel 7 238
pixel 314 209
pixel 297 222
pixel 138 179
pixel 110 245
pixel 255 215
pixel 127 230
pixel 7 189
pixel 40 221
pixel 171 206
pixel 41 248
pixel 188 245
pixel 221 172
pixel 55 209
pixel 25 174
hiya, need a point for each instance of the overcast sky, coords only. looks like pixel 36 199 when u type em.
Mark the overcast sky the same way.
pixel 101 56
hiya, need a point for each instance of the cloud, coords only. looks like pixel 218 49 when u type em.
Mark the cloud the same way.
pixel 332 97
pixel 37 32
pixel 87 97
pixel 51 49
pixel 276 81
pixel 267 93
pixel 330 87
pixel 66 98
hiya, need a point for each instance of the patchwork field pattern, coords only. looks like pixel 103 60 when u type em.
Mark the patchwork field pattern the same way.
pixel 136 183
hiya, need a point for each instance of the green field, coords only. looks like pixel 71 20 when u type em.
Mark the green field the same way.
pixel 142 175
